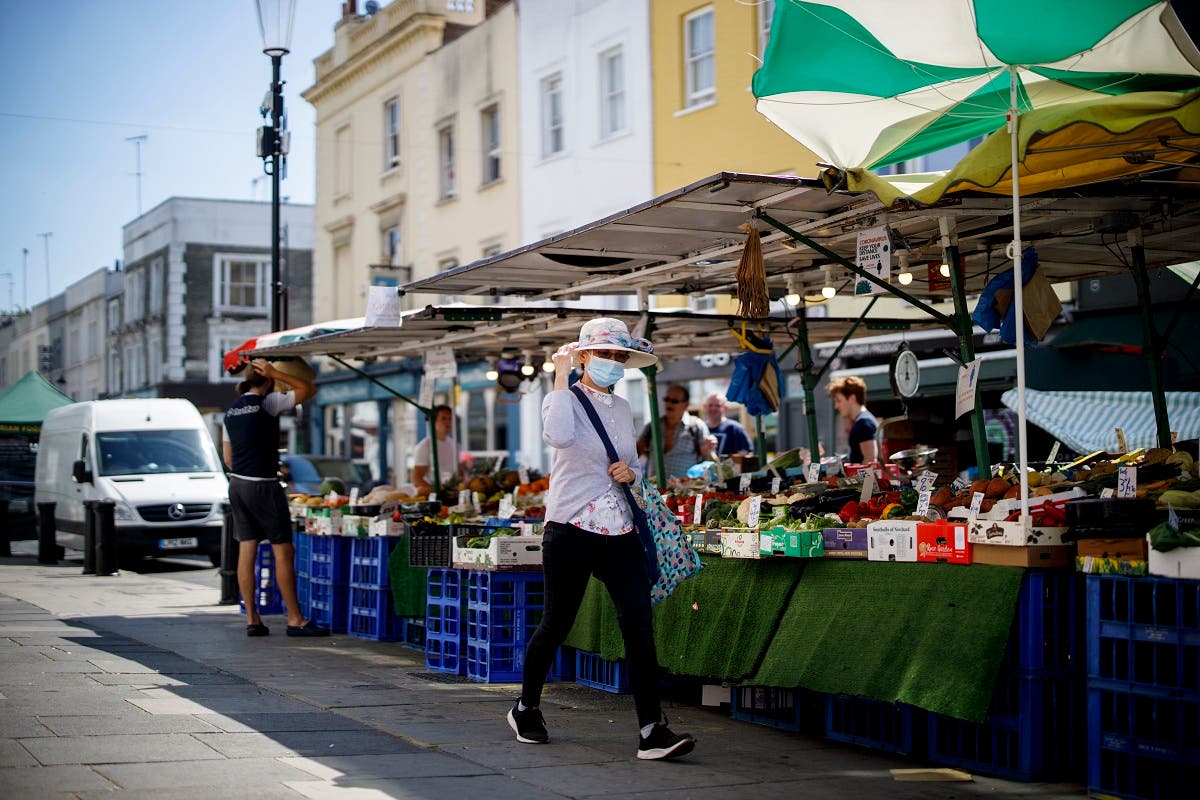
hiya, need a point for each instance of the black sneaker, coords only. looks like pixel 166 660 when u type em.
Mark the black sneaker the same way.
pixel 528 725
pixel 663 744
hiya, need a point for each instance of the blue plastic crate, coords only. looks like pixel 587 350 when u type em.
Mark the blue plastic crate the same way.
pixel 891 727
pixel 1142 743
pixel 369 561
pixel 445 628
pixel 1144 631
pixel 266 588
pixel 414 632
pixel 328 604
pixel 303 544
pixel 1047 632
pixel 330 559
pixel 767 705
pixel 503 611
pixel 598 673
pixel 372 615
pixel 303 594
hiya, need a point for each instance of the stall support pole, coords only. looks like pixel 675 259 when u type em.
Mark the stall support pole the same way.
pixel 760 441
pixel 804 351
pixel 1151 344
pixel 966 349
pixel 656 441
pixel 229 559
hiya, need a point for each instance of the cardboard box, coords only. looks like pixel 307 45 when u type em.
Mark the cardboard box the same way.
pixel 892 540
pixel 845 542
pixel 1117 549
pixel 503 554
pixel 323 526
pixel 1007 555
pixel 1182 562
pixel 797 544
pixel 1002 508
pixel 383 525
pixel 943 542
pixel 745 544
pixel 356 525
pixel 984 531
pixel 1094 565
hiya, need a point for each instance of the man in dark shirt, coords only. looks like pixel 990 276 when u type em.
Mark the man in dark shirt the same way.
pixel 849 397
pixel 732 438
pixel 258 505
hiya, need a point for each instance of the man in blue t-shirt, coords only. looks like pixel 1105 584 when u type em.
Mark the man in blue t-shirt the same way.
pixel 732 439
pixel 258 506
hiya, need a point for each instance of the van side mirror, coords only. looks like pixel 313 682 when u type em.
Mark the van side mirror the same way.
pixel 81 473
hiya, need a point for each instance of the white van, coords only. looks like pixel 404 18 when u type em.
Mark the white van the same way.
pixel 155 458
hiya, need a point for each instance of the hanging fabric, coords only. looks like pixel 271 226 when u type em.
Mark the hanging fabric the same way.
pixel 753 299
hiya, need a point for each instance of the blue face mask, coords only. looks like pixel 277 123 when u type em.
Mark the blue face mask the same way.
pixel 605 372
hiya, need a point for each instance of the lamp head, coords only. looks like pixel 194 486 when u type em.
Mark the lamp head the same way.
pixel 275 21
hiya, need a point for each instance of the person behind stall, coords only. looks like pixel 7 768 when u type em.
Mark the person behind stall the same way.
pixel 849 400
pixel 686 440
pixel 257 502
pixel 443 428
pixel 732 439
pixel 589 530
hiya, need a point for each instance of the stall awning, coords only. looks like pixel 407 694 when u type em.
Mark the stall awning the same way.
pixel 1087 421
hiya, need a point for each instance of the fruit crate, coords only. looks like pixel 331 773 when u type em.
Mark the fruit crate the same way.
pixel 879 725
pixel 1033 729
pixel 598 673
pixel 330 560
pixel 328 604
pixel 503 611
pixel 266 588
pixel 371 615
pixel 1144 631
pixel 1142 742
pixel 303 594
pixel 445 631
pixel 369 561
pixel 775 707
pixel 414 632
pixel 303 544
pixel 429 545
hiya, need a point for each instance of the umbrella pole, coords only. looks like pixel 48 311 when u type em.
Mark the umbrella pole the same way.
pixel 1151 343
pixel 1018 298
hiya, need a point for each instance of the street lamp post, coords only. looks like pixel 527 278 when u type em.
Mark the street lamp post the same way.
pixel 275 19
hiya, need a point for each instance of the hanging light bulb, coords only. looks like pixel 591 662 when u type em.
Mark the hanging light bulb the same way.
pixel 905 277
pixel 491 374
pixel 828 291
pixel 945 270
pixel 547 366
pixel 528 370
pixel 792 298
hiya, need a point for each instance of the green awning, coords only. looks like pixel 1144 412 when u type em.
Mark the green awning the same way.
pixel 24 405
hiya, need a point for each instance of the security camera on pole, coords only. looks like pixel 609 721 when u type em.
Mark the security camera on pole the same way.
pixel 275 20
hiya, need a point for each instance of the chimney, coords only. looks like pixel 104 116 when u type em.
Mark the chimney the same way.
pixel 349 8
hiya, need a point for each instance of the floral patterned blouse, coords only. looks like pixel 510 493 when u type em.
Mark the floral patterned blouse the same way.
pixel 606 515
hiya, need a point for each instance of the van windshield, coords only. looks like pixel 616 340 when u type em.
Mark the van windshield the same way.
pixel 149 452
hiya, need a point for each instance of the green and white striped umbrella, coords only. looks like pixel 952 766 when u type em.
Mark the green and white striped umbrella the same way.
pixel 867 83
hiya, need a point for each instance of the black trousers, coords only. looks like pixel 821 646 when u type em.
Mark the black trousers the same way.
pixel 570 556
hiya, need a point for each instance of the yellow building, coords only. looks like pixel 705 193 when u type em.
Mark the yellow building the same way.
pixel 704 56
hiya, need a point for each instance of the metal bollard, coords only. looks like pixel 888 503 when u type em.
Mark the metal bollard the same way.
pixel 229 560
pixel 89 537
pixel 47 544
pixel 106 537
pixel 5 545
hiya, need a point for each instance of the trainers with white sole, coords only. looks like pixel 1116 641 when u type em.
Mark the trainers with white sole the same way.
pixel 662 743
pixel 528 725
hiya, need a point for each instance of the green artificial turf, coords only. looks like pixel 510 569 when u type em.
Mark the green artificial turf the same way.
pixel 929 635
pixel 408 583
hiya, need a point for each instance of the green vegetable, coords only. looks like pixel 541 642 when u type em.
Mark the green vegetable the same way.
pixel 1164 538
pixel 482 542
pixel 331 485
pixel 909 498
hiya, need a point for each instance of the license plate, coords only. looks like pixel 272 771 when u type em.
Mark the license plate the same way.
pixel 177 544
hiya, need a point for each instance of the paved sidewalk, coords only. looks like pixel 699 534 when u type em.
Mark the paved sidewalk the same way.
pixel 140 686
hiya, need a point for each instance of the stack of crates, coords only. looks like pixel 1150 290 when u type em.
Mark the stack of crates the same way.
pixel 266 587
pixel 768 705
pixel 600 673
pixel 303 545
pixel 1033 730
pixel 1143 686
pixel 445 628
pixel 879 725
pixel 371 614
pixel 329 582
pixel 503 611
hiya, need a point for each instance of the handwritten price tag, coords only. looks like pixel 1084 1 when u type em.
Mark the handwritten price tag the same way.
pixel 868 489
pixel 960 484
pixel 1127 482
pixel 814 472
pixel 755 509
pixel 775 485
pixel 698 510
pixel 507 507
pixel 522 475
pixel 923 503
pixel 925 482
pixel 1107 493
pixel 976 503
pixel 744 482
pixel 1053 453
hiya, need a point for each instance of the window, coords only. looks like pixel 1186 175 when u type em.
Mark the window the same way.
pixel 342 162
pixel 447 186
pixel 133 297
pixel 114 372
pixel 391 134
pixel 391 246
pixel 766 13
pixel 699 58
pixel 242 282
pixel 156 286
pixel 93 337
pixel 552 115
pixel 445 264
pixel 612 92
pixel 155 357
pixel 490 124
pixel 114 315
pixel 133 366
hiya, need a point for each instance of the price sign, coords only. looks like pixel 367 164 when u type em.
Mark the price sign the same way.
pixel 354 496
pixel 475 500
pixel 925 481
pixel 507 507
pixel 1127 482
pixel 814 472
pixel 744 482
pixel 868 489
pixel 1122 446
pixel 923 503
pixel 755 509
pixel 433 497
pixel 698 510
pixel 1107 493
pixel 1053 453
pixel 775 485
pixel 522 475
pixel 976 503
pixel 960 484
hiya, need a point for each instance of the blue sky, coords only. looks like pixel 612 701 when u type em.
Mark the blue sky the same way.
pixel 86 74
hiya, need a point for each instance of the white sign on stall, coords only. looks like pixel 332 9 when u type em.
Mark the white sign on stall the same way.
pixel 875 257
pixel 383 307
pixel 440 363
pixel 425 395
pixel 968 380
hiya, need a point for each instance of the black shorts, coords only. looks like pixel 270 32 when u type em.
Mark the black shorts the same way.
pixel 260 511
